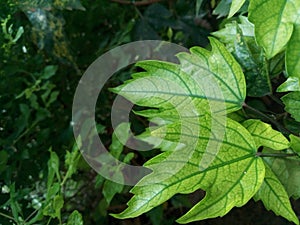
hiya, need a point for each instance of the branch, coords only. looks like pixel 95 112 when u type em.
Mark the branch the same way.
pixel 139 3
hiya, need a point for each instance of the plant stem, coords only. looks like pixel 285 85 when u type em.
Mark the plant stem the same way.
pixel 280 155
pixel 270 119
pixel 8 217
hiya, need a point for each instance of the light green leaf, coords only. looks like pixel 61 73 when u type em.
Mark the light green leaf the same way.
pixel 75 218
pixel 235 7
pixel 295 143
pixel 231 180
pixel 273 20
pixel 274 196
pixel 292 104
pixel 293 53
pixel 288 172
pixel 54 207
pixel 200 77
pixel 291 84
pixel 264 135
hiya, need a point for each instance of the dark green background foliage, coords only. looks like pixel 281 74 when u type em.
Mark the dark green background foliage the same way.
pixel 45 48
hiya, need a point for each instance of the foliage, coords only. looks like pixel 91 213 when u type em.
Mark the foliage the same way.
pixel 223 145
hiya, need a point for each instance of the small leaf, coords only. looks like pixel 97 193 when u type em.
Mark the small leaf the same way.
pixel 53 209
pixel 295 143
pixel 111 188
pixel 291 84
pixel 75 218
pixel 274 196
pixel 53 168
pixel 273 20
pixel 264 135
pixel 292 104
pixel 48 72
pixel 235 7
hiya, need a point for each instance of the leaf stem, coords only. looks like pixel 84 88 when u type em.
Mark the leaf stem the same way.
pixel 280 155
pixel 270 119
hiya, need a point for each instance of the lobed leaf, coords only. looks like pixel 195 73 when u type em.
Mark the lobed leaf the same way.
pixel 265 135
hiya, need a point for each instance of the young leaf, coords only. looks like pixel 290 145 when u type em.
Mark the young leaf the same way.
pixel 235 7
pixel 292 104
pixel 264 135
pixel 75 218
pixel 274 196
pixel 224 180
pixel 273 20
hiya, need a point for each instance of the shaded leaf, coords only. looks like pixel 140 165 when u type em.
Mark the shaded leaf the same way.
pixel 265 135
pixel 288 172
pixel 295 143
pixel 274 196
pixel 292 104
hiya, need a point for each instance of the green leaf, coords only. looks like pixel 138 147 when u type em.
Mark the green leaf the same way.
pixel 293 52
pixel 231 180
pixel 264 135
pixel 292 104
pixel 288 172
pixel 53 168
pixel 119 139
pixel 54 207
pixel 273 20
pixel 291 84
pixel 110 189
pixel 240 41
pixel 75 218
pixel 275 197
pixel 235 7
pixel 223 8
pixel 295 143
pixel 164 85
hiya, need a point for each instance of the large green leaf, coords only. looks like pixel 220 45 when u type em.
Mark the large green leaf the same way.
pixel 292 104
pixel 200 83
pixel 264 135
pixel 186 99
pixel 231 180
pixel 275 197
pixel 273 20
